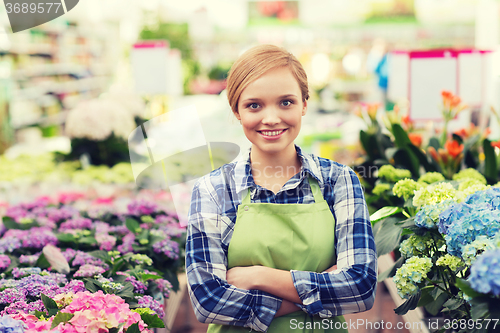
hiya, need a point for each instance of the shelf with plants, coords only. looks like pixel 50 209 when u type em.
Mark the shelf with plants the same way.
pixel 52 68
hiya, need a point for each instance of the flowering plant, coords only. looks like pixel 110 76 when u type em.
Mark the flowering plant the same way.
pixel 87 312
pixel 450 249
pixel 393 139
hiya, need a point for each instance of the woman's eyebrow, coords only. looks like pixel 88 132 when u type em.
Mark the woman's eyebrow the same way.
pixel 258 99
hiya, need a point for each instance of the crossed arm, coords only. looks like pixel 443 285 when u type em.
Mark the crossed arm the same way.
pixel 273 281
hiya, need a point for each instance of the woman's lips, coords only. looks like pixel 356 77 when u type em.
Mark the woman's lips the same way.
pixel 272 137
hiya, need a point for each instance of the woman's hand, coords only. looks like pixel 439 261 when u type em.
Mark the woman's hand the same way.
pixel 244 277
pixel 273 281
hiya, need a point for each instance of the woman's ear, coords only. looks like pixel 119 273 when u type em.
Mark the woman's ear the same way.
pixel 304 108
pixel 237 115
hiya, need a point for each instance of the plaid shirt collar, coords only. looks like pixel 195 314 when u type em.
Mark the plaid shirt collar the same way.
pixel 244 179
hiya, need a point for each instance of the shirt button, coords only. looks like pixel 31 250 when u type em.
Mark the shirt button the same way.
pixel 246 207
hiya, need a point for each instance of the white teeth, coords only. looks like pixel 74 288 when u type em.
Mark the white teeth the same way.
pixel 272 133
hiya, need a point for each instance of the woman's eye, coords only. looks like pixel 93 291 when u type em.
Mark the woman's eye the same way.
pixel 253 106
pixel 287 102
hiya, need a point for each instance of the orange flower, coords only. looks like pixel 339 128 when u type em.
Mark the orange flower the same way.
pixel 434 154
pixel 453 148
pixel 450 100
pixel 496 144
pixel 415 138
pixel 372 110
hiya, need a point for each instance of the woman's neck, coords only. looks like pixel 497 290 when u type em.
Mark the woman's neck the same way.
pixel 284 164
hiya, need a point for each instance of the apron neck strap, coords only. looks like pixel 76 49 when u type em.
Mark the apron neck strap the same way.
pixel 313 183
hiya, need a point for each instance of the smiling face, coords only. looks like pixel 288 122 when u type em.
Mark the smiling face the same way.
pixel 270 110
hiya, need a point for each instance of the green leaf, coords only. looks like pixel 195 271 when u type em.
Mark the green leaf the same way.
pixel 40 314
pixel 490 162
pixel 479 308
pixel 369 144
pixel 146 276
pixel 134 328
pixel 453 303
pixel 50 305
pixel 66 238
pixel 435 307
pixel 465 287
pixel 42 262
pixel 88 240
pixel 400 137
pixel 426 297
pixel 127 291
pixel 391 271
pixel 153 321
pixel 388 236
pixel 14 262
pixel 10 223
pixel 383 213
pixel 103 255
pixel 92 285
pixel 406 159
pixel 132 225
pixel 422 158
pixel 434 142
pixel 408 305
pixel 61 317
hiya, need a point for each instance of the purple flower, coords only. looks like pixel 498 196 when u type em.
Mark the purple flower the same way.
pixel 165 286
pixel 22 306
pixel 167 247
pixel 141 207
pixel 25 271
pixel 149 302
pixel 139 287
pixel 4 261
pixel 73 286
pixel 63 213
pixel 11 295
pixel 29 259
pixel 83 258
pixel 127 242
pixel 69 254
pixel 89 271
pixel 39 237
pixel 106 242
pixel 8 244
pixel 76 223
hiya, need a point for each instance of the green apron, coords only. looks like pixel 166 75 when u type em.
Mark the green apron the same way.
pixel 285 236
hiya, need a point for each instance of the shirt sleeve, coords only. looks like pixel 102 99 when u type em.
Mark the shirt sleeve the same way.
pixel 351 287
pixel 213 299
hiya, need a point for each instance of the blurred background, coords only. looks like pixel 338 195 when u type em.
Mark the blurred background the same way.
pixel 72 90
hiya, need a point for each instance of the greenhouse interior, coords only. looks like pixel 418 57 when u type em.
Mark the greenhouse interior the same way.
pixel 131 210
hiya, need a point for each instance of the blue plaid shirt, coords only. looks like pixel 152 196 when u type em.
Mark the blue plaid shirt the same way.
pixel 212 215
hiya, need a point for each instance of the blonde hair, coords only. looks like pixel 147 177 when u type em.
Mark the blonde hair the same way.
pixel 256 62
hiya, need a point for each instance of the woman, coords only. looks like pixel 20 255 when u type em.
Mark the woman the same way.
pixel 279 240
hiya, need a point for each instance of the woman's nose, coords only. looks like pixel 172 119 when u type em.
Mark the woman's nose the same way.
pixel 271 116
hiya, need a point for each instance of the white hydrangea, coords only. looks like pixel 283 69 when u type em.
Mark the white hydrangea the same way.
pixel 96 119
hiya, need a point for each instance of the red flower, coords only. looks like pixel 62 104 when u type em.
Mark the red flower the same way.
pixel 496 144
pixel 415 138
pixel 450 100
pixel 454 148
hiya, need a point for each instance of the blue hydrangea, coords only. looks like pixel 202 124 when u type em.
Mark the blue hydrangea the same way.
pixel 485 273
pixel 491 196
pixel 8 324
pixel 453 213
pixel 465 229
pixel 428 216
